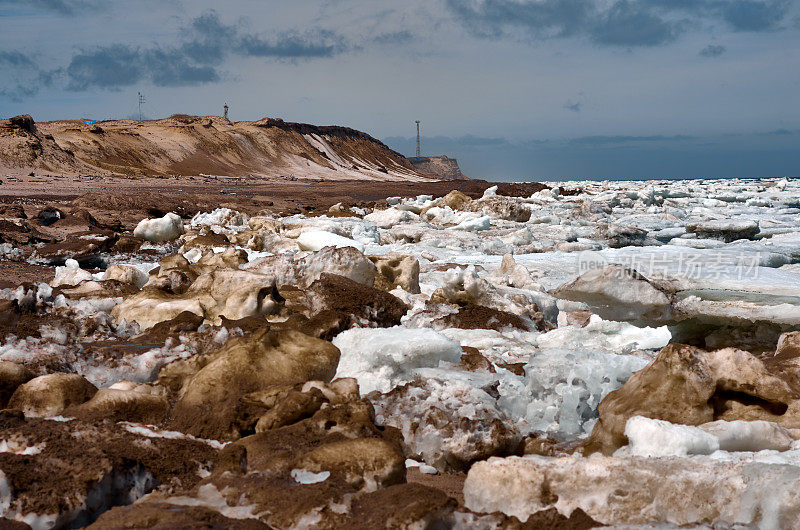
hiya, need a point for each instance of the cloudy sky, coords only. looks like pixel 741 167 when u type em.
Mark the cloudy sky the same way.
pixel 513 88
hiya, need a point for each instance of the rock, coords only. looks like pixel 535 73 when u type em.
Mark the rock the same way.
pixel 397 270
pixel 638 491
pixel 339 210
pixel 365 464
pixel 165 516
pixel 85 248
pixel 726 230
pixel 128 244
pixel 49 215
pixel 287 407
pixel 205 241
pixel 244 365
pixel 230 258
pixel 95 289
pixel 122 405
pixel 66 473
pixel 49 395
pixel 228 293
pixel 455 200
pixel 500 207
pixel 12 375
pixel 402 506
pixel 463 287
pixel 12 211
pixel 689 386
pixel 127 275
pixel 367 305
pixel 471 316
pixel 473 360
pixel 20 233
pixel 788 349
pixel 167 228
pixel 345 261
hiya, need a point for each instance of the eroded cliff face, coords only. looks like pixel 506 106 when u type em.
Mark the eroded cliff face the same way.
pixel 443 167
pixel 192 145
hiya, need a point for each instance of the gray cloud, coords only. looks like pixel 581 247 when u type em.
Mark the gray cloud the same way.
pixel 61 7
pixel 713 50
pixel 608 140
pixel 203 46
pixel 547 18
pixel 623 23
pixel 395 37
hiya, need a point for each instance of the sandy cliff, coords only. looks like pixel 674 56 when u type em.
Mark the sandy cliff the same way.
pixel 192 145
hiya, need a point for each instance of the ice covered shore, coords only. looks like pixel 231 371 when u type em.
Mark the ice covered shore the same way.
pixel 626 349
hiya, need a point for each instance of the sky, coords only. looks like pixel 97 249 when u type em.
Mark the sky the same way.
pixel 514 89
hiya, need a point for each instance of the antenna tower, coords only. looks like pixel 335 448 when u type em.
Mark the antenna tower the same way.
pixel 225 108
pixel 142 101
pixel 418 149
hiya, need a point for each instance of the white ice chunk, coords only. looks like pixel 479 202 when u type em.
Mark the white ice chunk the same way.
pixel 474 224
pixel 634 491
pixel 742 435
pixel 319 239
pixel 599 334
pixel 649 437
pixel 381 359
pixel 70 274
pixel 391 217
pixel 166 228
pixel 302 476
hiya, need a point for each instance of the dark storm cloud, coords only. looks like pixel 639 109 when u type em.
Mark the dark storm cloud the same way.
pixel 293 45
pixel 752 15
pixel 22 77
pixel 625 23
pixel 15 59
pixel 629 24
pixel 196 59
pixel 713 50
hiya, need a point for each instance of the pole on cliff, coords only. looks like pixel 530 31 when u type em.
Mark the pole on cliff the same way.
pixel 141 101
pixel 418 149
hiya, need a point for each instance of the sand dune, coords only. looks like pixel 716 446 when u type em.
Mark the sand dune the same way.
pixel 193 145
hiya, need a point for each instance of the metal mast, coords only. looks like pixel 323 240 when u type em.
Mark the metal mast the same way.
pixel 226 111
pixel 141 102
pixel 418 149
